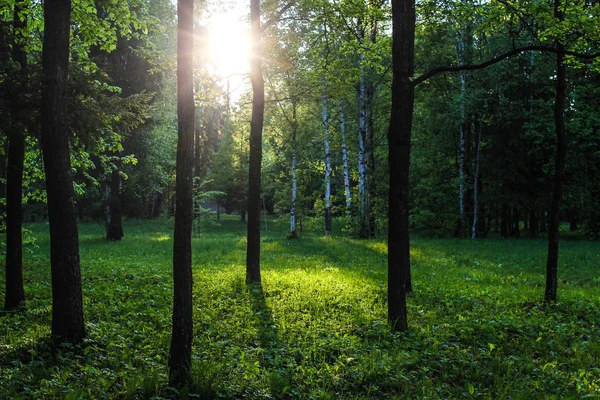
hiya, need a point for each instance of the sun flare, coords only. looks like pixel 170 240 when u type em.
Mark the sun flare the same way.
pixel 228 45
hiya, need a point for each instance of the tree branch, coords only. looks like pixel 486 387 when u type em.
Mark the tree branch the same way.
pixel 470 67
pixel 275 19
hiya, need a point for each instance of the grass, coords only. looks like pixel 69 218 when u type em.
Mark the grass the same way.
pixel 317 327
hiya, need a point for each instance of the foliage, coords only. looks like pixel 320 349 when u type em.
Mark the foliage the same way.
pixel 318 327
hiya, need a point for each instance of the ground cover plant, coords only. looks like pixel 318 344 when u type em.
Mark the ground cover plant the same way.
pixel 317 327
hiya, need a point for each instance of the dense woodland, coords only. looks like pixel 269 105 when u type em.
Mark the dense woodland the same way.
pixel 362 121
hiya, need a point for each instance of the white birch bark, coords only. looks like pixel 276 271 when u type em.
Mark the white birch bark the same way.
pixel 294 182
pixel 327 163
pixel 362 132
pixel 345 162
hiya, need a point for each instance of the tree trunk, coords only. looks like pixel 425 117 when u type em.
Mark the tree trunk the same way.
pixel 345 162
pixel 559 168
pixel 516 223
pixel 180 354
pixel 462 152
pixel 476 182
pixel 399 136
pixel 327 164
pixel 294 182
pixel 154 200
pixel 114 226
pixel 369 142
pixel 15 293
pixel 362 138
pixel 67 304
pixel 533 223
pixel 504 221
pixel 254 167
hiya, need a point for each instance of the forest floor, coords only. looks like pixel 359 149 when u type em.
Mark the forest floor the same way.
pixel 317 327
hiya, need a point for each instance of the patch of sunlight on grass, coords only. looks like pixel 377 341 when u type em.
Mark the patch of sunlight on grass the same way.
pixel 377 247
pixel 161 238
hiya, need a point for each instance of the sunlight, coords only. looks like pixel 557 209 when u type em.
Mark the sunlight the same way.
pixel 228 45
pixel 228 49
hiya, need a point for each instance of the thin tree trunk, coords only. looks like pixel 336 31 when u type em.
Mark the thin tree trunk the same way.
pixel 462 140
pixel 399 135
pixel 254 168
pixel 294 182
pixel 15 293
pixel 67 304
pixel 559 169
pixel 345 162
pixel 327 163
pixel 180 354
pixel 362 133
pixel 476 182
pixel 505 221
pixel 114 226
pixel 370 142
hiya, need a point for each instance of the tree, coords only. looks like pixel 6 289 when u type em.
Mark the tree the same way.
pixel 254 165
pixel 399 136
pixel 15 293
pixel 180 354
pixel 559 166
pixel 67 304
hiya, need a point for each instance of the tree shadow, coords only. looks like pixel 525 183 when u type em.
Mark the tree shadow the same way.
pixel 275 360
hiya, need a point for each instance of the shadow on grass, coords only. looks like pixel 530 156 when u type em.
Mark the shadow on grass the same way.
pixel 280 374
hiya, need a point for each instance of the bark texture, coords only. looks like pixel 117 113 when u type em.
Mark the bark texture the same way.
pixel 293 233
pixel 67 305
pixel 399 135
pixel 345 162
pixel 180 354
pixel 254 167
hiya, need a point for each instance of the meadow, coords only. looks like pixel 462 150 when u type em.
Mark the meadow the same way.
pixel 317 328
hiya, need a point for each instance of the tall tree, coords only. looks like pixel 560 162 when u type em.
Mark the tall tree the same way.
pixel 294 123
pixel 559 165
pixel 254 167
pixel 327 162
pixel 15 294
pixel 67 304
pixel 399 135
pixel 180 354
pixel 345 162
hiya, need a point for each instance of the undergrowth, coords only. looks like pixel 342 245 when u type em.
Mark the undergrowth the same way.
pixel 316 328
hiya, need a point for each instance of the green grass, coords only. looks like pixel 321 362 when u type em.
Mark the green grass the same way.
pixel 317 329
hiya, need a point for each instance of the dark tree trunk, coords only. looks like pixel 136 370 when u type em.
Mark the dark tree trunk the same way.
pixel 15 294
pixel 114 223
pixel 154 204
pixel 573 221
pixel 3 172
pixel 67 305
pixel 505 221
pixel 559 168
pixel 369 141
pixel 180 354
pixel 516 223
pixel 399 135
pixel 254 168
pixel 533 223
